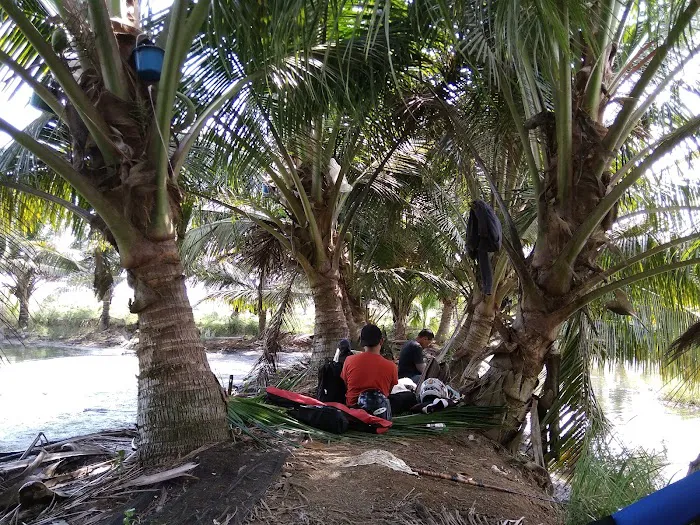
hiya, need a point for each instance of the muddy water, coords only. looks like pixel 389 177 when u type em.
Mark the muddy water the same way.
pixel 65 392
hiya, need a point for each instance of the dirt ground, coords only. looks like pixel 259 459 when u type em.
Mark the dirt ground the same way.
pixel 313 489
pixel 227 483
pixel 253 483
pixel 244 483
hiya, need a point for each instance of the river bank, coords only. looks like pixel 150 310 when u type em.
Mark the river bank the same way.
pixel 128 339
pixel 267 481
pixel 66 390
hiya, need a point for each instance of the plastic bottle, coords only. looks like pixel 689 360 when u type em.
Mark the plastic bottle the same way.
pixel 435 425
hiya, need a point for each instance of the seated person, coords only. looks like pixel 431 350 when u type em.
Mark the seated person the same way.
pixel 411 363
pixel 330 386
pixel 342 353
pixel 368 370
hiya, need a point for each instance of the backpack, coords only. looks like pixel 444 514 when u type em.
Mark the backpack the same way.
pixel 375 403
pixel 331 388
pixel 357 418
pixel 329 419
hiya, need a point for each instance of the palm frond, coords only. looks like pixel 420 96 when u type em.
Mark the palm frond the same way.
pixel 575 416
pixel 245 413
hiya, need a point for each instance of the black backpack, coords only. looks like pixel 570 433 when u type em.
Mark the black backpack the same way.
pixel 329 419
pixel 331 387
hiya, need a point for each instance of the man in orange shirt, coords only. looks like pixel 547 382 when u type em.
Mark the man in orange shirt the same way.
pixel 368 370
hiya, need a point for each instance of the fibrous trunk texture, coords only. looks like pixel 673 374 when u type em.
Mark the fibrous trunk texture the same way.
pixel 23 291
pixel 352 307
pixel 400 324
pixel 180 403
pixel 448 306
pixel 473 343
pixel 23 319
pixel 514 369
pixel 262 322
pixel 330 324
pixel 354 316
pixel 104 316
pixel 262 313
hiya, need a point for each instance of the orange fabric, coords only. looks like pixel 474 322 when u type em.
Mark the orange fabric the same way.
pixel 366 371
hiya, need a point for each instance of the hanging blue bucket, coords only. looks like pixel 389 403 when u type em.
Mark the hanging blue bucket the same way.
pixel 148 61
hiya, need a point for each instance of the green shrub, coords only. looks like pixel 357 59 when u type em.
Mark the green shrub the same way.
pixel 60 323
pixel 243 326
pixel 606 480
pixel 214 325
pixel 677 391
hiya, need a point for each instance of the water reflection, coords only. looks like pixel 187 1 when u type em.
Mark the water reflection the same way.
pixel 631 401
pixel 65 392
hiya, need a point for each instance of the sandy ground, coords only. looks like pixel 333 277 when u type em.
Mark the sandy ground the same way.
pixel 314 489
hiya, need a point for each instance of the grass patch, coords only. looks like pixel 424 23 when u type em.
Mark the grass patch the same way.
pixel 606 480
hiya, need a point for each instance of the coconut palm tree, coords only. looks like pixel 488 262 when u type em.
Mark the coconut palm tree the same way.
pixel 581 86
pixel 29 262
pixel 315 237
pixel 104 272
pixel 301 152
pixel 118 118
pixel 398 264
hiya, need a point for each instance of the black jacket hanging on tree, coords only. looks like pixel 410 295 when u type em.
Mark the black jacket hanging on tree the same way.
pixel 484 236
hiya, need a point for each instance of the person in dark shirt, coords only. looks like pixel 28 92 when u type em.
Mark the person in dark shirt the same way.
pixel 411 363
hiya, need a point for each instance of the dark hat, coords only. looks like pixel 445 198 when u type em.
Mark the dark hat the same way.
pixel 370 335
pixel 344 344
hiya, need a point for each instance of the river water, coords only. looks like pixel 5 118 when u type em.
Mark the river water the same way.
pixel 65 392
pixel 631 402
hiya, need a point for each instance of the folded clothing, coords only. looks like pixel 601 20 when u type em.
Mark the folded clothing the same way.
pixel 433 405
pixel 405 384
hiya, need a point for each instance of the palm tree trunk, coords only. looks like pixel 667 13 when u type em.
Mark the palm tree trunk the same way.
pixel 22 291
pixel 461 331
pixel 106 303
pixel 352 307
pixel 330 324
pixel 475 342
pixel 23 319
pixel 262 322
pixel 262 313
pixel 400 316
pixel 180 403
pixel 514 369
pixel 448 305
pixel 353 327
